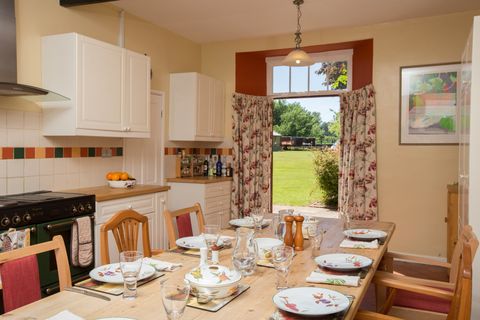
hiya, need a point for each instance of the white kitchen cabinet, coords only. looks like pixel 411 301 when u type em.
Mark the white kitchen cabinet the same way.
pixel 197 108
pixel 108 88
pixel 150 205
pixel 214 198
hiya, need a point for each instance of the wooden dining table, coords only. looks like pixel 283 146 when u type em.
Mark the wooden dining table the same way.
pixel 255 303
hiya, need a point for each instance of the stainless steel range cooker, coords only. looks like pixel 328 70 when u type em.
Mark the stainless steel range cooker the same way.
pixel 48 214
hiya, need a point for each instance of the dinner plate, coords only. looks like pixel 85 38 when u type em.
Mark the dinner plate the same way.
pixel 310 301
pixel 343 261
pixel 369 234
pixel 247 222
pixel 111 273
pixel 197 242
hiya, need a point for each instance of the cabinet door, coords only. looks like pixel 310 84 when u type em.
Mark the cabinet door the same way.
pixel 137 92
pixel 203 106
pixel 100 84
pixel 218 110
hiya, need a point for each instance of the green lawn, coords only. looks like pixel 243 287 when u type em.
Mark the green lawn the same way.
pixel 294 179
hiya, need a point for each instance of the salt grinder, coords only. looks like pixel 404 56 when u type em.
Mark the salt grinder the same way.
pixel 288 239
pixel 299 233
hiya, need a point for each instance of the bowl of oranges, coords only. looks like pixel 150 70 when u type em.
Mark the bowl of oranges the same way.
pixel 120 180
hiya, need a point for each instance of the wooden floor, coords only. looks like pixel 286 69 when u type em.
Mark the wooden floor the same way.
pixel 408 269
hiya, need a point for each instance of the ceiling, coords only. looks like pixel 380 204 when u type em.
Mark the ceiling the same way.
pixel 205 21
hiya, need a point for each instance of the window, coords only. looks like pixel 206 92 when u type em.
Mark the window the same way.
pixel 331 72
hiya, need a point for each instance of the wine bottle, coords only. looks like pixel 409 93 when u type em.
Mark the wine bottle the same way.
pixel 205 167
pixel 219 167
pixel 214 165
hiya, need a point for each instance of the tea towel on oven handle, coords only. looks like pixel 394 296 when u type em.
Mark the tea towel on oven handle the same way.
pixel 82 242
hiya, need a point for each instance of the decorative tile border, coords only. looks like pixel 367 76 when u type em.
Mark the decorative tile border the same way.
pixel 7 153
pixel 202 151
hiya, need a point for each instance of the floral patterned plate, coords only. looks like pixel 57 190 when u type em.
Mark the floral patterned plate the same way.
pixel 308 301
pixel 247 222
pixel 111 273
pixel 197 242
pixel 365 234
pixel 343 261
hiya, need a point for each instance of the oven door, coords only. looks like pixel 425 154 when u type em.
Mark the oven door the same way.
pixel 46 261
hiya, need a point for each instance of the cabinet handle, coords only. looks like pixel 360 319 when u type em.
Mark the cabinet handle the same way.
pixel 162 201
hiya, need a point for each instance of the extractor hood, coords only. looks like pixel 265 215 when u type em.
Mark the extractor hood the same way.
pixel 8 60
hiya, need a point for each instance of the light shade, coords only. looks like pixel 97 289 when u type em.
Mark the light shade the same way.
pixel 297 58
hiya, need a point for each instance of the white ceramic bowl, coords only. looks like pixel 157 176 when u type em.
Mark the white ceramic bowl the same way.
pixel 215 280
pixel 265 246
pixel 122 183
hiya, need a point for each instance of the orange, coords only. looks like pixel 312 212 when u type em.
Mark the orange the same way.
pixel 124 176
pixel 115 177
pixel 109 176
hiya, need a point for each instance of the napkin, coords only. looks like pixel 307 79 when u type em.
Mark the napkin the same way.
pixel 65 315
pixel 346 243
pixel 341 280
pixel 161 265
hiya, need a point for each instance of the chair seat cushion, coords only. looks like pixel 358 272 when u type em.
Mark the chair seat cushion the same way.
pixel 184 226
pixel 421 302
pixel 21 282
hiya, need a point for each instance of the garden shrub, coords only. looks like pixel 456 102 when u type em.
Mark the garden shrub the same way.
pixel 325 163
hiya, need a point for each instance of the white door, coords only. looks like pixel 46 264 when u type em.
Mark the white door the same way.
pixel 137 92
pixel 144 157
pixel 203 106
pixel 100 85
pixel 218 110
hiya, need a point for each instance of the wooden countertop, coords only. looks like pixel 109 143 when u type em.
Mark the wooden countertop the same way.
pixel 200 180
pixel 104 193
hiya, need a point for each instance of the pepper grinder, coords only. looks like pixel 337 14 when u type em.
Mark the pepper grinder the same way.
pixel 299 233
pixel 288 239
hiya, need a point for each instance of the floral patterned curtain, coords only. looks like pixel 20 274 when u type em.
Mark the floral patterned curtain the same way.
pixel 252 152
pixel 357 187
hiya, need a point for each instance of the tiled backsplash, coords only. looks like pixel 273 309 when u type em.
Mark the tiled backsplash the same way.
pixel 29 161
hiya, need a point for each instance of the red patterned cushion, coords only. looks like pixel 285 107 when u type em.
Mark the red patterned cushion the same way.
pixel 184 226
pixel 21 282
pixel 421 302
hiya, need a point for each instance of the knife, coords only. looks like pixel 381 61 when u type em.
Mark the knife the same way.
pixel 87 293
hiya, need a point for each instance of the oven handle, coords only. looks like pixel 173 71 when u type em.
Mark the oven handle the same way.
pixel 51 227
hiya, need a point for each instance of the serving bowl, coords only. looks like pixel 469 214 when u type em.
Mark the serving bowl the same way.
pixel 265 246
pixel 214 280
pixel 122 183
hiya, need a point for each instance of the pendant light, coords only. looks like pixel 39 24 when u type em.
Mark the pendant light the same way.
pixel 297 57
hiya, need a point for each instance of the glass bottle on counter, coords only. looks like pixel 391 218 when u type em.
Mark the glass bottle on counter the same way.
pixel 219 167
pixel 214 165
pixel 205 166
pixel 224 168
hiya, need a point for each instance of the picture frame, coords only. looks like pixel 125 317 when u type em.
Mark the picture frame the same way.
pixel 428 104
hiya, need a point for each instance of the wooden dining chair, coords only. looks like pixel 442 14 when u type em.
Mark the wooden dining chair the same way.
pixel 181 218
pixel 20 275
pixel 459 297
pixel 406 300
pixel 124 226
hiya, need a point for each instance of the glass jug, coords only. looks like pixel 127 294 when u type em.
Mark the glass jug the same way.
pixel 244 256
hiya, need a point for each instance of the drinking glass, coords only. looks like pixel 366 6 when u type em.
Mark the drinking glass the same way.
pixel 257 215
pixel 315 236
pixel 175 298
pixel 346 221
pixel 211 235
pixel 282 259
pixel 130 265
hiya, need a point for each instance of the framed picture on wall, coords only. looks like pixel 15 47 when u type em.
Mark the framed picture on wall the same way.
pixel 428 104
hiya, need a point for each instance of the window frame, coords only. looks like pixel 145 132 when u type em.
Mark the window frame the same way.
pixel 327 56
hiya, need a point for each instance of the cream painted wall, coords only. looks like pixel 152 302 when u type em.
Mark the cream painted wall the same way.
pixel 169 52
pixel 411 179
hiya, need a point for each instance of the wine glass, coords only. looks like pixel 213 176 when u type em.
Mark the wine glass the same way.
pixel 175 298
pixel 282 259
pixel 211 234
pixel 130 265
pixel 257 215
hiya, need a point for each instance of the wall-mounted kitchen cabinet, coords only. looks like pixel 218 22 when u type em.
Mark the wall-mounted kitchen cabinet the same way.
pixel 108 88
pixel 197 108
